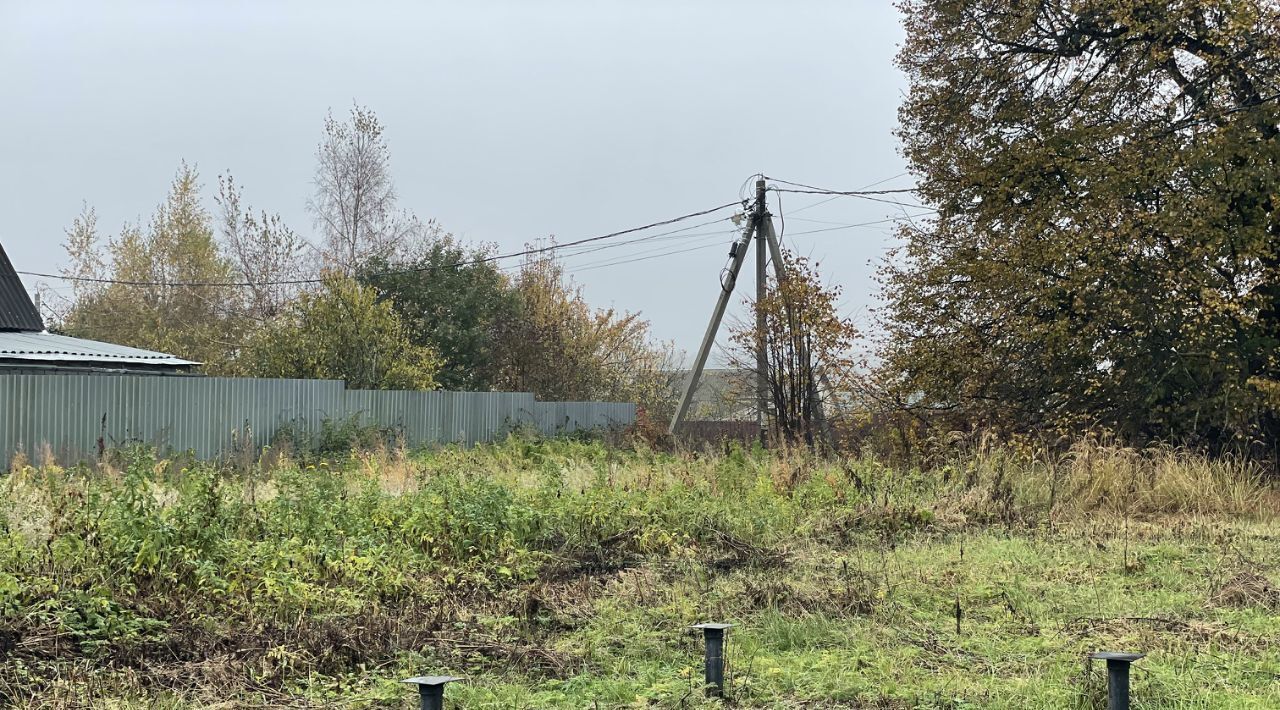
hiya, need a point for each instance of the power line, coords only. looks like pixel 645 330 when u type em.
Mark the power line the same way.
pixel 818 221
pixel 600 265
pixel 720 237
pixel 802 188
pixel 863 195
pixel 859 224
pixel 660 237
pixel 816 204
pixel 646 258
pixel 837 226
pixel 851 193
pixel 855 194
pixel 692 237
pixel 590 268
pixel 382 274
pixel 565 248
pixel 819 203
pixel 881 182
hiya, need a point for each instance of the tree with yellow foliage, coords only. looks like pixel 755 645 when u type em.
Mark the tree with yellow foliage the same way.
pixel 152 305
pixel 341 332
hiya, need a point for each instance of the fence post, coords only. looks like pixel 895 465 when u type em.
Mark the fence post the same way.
pixel 431 690
pixel 713 637
pixel 1117 677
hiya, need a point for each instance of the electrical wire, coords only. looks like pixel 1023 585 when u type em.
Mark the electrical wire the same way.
pixel 724 271
pixel 864 195
pixel 816 204
pixel 865 192
pixel 859 224
pixel 567 249
pixel 646 258
pixel 742 189
pixel 816 221
pixel 695 237
pixel 851 193
pixel 660 237
pixel 703 238
pixel 782 219
pixel 382 274
pixel 881 182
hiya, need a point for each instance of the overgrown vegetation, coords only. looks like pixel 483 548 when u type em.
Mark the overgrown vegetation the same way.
pixel 809 365
pixel 565 573
pixel 1104 248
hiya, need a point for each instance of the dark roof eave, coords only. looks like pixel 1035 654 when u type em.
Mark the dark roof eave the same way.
pixel 17 312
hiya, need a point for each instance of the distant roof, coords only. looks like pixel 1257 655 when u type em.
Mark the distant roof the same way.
pixel 17 312
pixel 47 347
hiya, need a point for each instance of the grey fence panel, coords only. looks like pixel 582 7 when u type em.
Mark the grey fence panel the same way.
pixel 211 416
pixel 553 418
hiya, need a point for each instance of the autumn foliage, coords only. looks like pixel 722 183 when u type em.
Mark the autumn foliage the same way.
pixel 1106 251
pixel 809 353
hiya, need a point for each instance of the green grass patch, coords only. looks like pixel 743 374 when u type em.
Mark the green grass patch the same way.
pixel 566 574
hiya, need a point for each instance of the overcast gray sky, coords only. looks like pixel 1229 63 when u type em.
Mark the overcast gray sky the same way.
pixel 507 121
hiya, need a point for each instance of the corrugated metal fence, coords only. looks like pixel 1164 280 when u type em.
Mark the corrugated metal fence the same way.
pixel 71 414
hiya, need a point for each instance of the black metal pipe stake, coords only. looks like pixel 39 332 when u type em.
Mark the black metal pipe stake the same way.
pixel 1117 677
pixel 713 636
pixel 431 690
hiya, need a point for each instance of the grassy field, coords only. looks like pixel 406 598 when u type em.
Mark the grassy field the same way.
pixel 565 574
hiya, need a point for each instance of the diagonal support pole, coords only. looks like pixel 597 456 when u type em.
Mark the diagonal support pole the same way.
pixel 717 315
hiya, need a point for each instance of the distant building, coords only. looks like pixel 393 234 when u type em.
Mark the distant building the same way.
pixel 26 347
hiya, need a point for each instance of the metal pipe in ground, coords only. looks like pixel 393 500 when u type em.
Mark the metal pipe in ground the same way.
pixel 430 690
pixel 1117 677
pixel 713 675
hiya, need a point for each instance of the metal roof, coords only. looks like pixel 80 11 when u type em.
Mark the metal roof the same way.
pixel 47 347
pixel 17 312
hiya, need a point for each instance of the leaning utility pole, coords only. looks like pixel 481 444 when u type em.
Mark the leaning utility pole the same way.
pixel 759 222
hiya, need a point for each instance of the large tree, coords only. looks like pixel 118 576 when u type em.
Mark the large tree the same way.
pixel 1105 251
pixel 558 347
pixel 264 253
pixel 452 298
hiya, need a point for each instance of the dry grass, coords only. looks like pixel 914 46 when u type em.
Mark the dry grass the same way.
pixel 1092 479
pixel 1164 481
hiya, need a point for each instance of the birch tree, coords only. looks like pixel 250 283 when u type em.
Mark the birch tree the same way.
pixel 264 252
pixel 354 205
